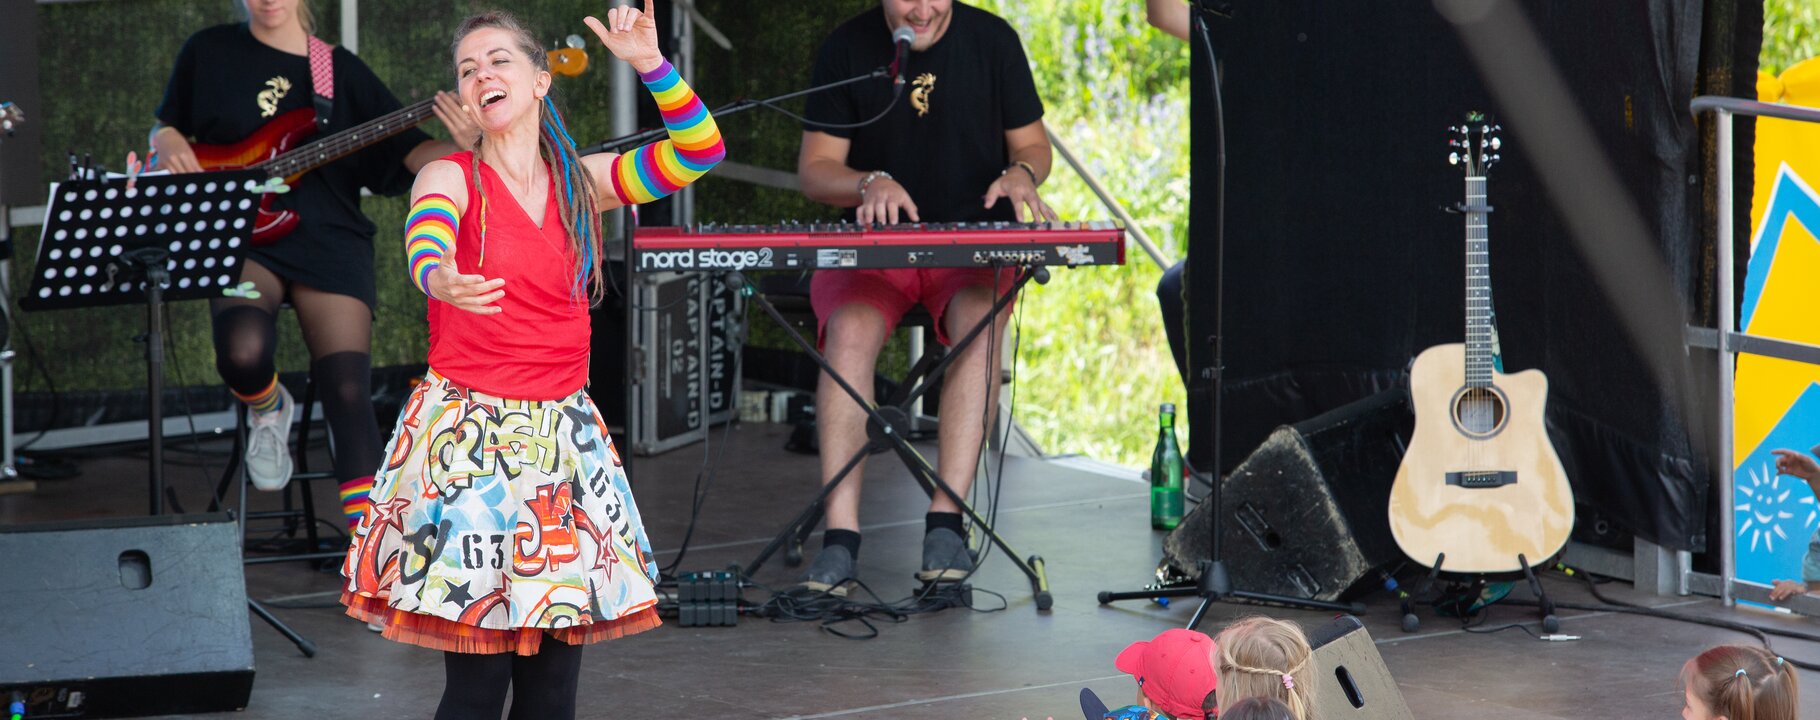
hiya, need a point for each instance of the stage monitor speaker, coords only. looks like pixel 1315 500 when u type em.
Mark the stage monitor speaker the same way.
pixel 125 617
pixel 1307 513
pixel 1352 682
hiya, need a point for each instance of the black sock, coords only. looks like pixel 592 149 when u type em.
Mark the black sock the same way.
pixel 848 539
pixel 949 520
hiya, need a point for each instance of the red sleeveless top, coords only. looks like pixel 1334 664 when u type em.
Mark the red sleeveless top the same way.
pixel 537 347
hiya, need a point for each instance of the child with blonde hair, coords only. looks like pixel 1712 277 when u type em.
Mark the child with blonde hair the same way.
pixel 1739 682
pixel 1268 658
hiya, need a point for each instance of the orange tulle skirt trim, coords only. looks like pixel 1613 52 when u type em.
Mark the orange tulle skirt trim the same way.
pixel 438 633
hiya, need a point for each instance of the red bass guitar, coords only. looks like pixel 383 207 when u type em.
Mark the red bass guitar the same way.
pixel 283 148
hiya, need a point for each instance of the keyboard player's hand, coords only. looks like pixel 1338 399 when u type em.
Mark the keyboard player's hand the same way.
pixel 886 202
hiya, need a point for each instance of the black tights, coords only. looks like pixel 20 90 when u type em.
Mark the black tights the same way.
pixel 543 685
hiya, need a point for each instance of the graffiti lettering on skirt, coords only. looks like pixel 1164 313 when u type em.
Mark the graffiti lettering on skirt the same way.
pixel 598 483
pixel 510 441
pixel 582 428
pixel 474 551
pixel 426 543
pixel 549 542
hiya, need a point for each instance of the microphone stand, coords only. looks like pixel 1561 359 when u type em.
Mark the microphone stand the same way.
pixel 1215 585
pixel 620 144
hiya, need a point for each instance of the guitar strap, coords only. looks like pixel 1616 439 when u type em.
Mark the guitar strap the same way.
pixel 322 77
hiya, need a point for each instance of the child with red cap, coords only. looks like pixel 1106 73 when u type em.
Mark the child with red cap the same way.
pixel 1175 677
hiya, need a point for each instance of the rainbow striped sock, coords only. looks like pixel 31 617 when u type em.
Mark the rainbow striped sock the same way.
pixel 264 401
pixel 661 168
pixel 354 502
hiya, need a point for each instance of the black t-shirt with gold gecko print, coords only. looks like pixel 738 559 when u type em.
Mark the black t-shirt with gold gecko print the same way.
pixel 945 139
pixel 226 84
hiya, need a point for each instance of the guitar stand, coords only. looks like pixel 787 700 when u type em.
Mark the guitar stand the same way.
pixel 1545 607
pixel 888 428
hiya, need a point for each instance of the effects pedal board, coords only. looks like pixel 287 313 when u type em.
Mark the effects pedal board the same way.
pixel 708 599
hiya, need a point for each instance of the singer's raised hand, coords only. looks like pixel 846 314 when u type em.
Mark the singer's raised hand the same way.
pixel 631 35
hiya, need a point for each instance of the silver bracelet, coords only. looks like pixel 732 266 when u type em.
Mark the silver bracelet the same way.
pixel 867 181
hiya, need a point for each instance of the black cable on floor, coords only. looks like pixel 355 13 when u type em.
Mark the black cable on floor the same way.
pixel 1616 606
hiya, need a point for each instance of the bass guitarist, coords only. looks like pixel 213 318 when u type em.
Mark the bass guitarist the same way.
pixel 228 81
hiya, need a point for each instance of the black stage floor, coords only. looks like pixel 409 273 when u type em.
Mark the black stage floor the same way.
pixel 1091 527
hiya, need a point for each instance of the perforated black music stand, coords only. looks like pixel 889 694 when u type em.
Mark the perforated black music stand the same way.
pixel 171 237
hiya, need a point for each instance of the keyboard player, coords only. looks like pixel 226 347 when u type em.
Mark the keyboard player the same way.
pixel 964 143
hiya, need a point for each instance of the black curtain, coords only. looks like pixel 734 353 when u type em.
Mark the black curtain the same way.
pixel 1341 265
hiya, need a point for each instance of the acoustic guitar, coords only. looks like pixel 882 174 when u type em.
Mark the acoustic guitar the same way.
pixel 1480 482
pixel 279 146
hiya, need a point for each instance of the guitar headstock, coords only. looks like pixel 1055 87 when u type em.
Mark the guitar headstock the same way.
pixel 1474 144
pixel 11 117
pixel 569 61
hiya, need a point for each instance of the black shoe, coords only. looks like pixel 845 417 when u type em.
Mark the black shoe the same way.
pixel 832 572
pixel 946 557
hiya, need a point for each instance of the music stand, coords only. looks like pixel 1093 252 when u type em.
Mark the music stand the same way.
pixel 172 237
pixel 168 237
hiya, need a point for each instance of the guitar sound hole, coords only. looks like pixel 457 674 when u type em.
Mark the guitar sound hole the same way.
pixel 1479 411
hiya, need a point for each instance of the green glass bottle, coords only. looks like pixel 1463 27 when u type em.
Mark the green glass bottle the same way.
pixel 1166 474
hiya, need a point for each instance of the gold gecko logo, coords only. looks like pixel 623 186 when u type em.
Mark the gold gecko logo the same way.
pixel 274 91
pixel 919 93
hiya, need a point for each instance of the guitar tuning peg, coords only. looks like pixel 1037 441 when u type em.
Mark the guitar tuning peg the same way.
pixel 1497 143
pixel 1453 158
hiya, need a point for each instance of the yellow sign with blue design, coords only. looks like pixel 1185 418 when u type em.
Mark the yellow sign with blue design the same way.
pixel 1777 402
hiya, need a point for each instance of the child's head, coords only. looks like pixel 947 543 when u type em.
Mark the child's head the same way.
pixel 1257 708
pixel 1738 682
pixel 1262 657
pixel 1174 672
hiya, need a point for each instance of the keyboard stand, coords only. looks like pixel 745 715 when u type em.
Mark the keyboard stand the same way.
pixel 888 429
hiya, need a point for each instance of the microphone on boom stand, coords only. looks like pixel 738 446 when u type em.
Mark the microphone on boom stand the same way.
pixel 902 37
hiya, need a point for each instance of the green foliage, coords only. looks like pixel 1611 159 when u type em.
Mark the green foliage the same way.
pixel 1094 362
pixel 1791 33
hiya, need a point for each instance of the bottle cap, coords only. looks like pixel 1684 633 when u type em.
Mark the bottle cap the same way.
pixel 1168 407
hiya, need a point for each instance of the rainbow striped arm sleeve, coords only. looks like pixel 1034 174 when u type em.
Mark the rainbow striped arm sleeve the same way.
pixel 429 233
pixel 661 168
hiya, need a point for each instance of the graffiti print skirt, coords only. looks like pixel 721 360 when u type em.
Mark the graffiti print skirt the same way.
pixel 495 522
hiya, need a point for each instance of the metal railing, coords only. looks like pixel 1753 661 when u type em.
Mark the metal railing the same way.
pixel 1729 342
pixel 1136 233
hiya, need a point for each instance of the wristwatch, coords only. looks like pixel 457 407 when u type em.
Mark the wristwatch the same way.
pixel 867 181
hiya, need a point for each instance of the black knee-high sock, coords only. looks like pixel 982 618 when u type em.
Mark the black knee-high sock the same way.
pixel 344 382
pixel 246 340
pixel 475 686
pixel 544 685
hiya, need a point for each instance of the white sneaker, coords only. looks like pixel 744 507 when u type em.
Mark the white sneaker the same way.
pixel 375 627
pixel 268 447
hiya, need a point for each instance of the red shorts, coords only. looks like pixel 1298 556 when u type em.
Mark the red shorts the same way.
pixel 893 292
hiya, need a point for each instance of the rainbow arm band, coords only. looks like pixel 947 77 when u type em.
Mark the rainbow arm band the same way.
pixel 429 233
pixel 661 168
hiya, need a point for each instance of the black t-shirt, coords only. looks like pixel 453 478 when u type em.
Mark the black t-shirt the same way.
pixel 226 84
pixel 945 139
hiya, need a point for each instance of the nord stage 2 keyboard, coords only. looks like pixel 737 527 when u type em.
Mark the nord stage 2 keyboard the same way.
pixel 845 245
